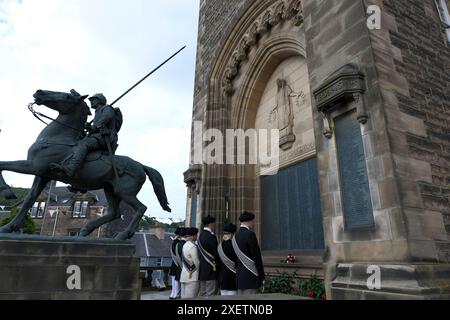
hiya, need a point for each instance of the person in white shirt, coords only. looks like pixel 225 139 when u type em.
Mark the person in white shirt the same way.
pixel 190 285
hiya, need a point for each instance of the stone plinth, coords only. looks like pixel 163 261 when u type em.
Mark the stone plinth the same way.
pixel 398 282
pixel 67 268
pixel 255 297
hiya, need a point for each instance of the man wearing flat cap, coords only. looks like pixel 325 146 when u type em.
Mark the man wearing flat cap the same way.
pixel 250 270
pixel 209 259
pixel 228 262
pixel 190 285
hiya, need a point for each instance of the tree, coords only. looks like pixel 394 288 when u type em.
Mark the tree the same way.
pixel 29 226
pixel 20 194
pixel 147 222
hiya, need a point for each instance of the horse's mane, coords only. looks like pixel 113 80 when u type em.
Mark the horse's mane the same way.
pixel 86 108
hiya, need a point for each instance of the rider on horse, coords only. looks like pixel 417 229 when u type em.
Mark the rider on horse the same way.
pixel 102 135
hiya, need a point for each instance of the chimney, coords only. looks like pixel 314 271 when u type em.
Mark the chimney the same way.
pixel 159 232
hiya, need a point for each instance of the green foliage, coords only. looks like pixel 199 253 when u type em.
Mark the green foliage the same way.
pixel 20 194
pixel 29 226
pixel 279 284
pixel 289 284
pixel 148 222
pixel 312 287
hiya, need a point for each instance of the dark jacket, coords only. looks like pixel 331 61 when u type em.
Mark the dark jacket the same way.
pixel 105 117
pixel 248 244
pixel 174 267
pixel 209 243
pixel 227 278
pixel 180 253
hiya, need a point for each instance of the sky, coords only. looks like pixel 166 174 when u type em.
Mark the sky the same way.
pixel 104 46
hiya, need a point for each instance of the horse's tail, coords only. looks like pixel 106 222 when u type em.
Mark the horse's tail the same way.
pixel 158 185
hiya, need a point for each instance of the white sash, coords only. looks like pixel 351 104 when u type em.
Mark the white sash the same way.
pixel 248 263
pixel 226 261
pixel 175 257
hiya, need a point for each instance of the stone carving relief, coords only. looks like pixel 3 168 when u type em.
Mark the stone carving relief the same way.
pixel 281 10
pixel 283 112
pixel 346 84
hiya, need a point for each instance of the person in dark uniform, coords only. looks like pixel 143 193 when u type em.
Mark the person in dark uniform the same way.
pixel 228 262
pixel 250 270
pixel 179 253
pixel 209 259
pixel 176 288
pixel 103 131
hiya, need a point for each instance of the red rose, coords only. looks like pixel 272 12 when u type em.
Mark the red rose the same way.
pixel 296 289
pixel 311 294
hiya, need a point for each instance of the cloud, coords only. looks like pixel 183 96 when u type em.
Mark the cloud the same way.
pixel 103 46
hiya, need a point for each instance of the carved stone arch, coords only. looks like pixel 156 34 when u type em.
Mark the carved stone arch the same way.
pixel 279 13
pixel 268 18
pixel 243 59
pixel 295 12
pixel 293 8
pixel 265 60
pixel 253 34
pixel 263 26
pixel 244 104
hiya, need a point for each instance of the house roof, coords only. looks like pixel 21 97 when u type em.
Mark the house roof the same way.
pixel 148 245
pixel 62 197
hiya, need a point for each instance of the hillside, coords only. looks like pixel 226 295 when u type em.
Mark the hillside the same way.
pixel 19 192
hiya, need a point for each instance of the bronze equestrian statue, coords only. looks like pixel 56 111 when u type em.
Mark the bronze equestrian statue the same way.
pixel 102 135
pixel 64 152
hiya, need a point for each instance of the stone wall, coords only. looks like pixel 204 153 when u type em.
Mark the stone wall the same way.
pixel 422 144
pixel 40 268
pixel 406 142
pixel 61 222
pixel 337 35
pixel 216 18
pixel 406 65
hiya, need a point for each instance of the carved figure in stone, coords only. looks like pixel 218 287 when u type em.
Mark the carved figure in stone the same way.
pixel 284 114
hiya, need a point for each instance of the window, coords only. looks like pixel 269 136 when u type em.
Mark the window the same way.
pixel 38 210
pixel 84 208
pixel 444 15
pixel 34 210
pixel 74 232
pixel 80 209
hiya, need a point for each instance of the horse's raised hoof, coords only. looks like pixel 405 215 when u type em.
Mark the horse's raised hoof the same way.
pixel 84 233
pixel 6 193
pixel 9 229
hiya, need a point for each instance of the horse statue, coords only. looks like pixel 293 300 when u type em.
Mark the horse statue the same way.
pixel 55 144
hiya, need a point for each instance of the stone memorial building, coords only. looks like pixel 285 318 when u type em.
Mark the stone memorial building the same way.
pixel 359 91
